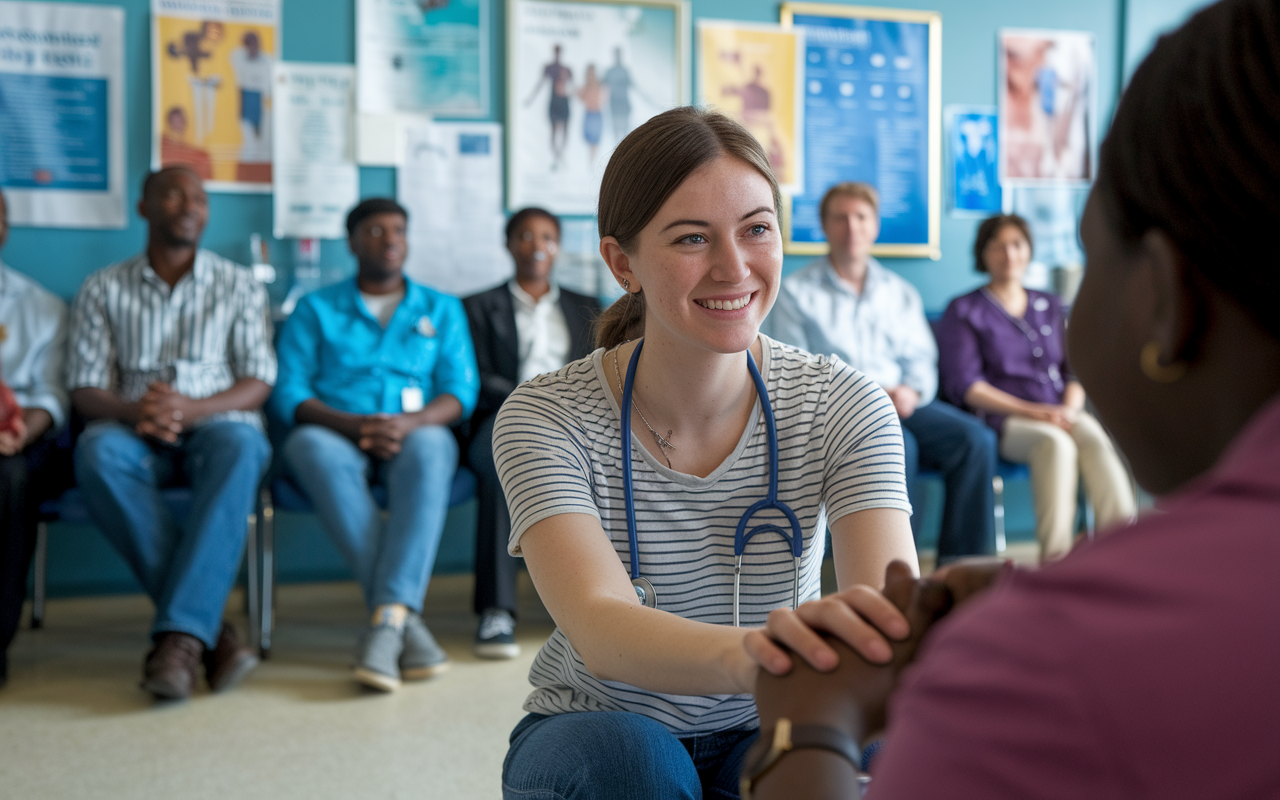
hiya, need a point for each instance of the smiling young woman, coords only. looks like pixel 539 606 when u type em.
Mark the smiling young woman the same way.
pixel 652 616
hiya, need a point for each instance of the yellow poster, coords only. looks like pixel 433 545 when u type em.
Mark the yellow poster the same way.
pixel 211 95
pixel 754 74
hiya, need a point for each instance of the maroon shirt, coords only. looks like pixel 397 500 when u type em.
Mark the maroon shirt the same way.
pixel 979 341
pixel 1144 665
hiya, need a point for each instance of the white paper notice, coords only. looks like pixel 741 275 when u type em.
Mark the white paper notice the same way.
pixel 315 180
pixel 62 161
pixel 451 185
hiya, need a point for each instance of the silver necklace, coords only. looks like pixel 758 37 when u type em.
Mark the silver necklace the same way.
pixel 663 444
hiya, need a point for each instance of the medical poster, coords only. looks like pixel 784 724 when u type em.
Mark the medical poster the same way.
pixel 973 156
pixel 1048 107
pixel 62 114
pixel 451 185
pixel 211 72
pixel 315 178
pixel 580 76
pixel 873 113
pixel 419 56
pixel 753 73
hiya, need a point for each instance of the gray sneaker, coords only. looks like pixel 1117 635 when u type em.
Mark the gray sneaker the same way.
pixel 422 657
pixel 378 656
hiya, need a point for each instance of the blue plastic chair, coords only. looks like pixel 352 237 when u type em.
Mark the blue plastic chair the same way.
pixel 71 508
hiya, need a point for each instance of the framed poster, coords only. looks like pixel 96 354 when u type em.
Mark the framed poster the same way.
pixel 754 73
pixel 211 73
pixel 62 162
pixel 423 56
pixel 315 178
pixel 973 172
pixel 873 111
pixel 581 74
pixel 1048 107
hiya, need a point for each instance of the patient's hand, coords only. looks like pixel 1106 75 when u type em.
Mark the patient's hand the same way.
pixel 852 697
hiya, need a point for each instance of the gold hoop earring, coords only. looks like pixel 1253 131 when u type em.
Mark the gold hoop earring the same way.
pixel 626 285
pixel 1154 370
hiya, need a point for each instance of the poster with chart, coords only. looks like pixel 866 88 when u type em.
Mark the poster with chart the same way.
pixel 973 159
pixel 314 175
pixel 62 114
pixel 753 73
pixel 580 76
pixel 211 92
pixel 423 56
pixel 1048 107
pixel 873 113
pixel 451 185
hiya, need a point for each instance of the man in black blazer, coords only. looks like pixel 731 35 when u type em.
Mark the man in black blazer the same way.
pixel 521 329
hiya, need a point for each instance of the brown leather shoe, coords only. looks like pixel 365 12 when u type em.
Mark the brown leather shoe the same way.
pixel 227 663
pixel 169 672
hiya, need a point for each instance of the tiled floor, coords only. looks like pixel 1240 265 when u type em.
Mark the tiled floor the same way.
pixel 73 723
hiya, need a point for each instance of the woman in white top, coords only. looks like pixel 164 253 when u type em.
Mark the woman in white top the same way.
pixel 652 701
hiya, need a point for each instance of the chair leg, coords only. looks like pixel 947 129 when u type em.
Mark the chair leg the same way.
pixel 997 488
pixel 253 577
pixel 267 612
pixel 41 564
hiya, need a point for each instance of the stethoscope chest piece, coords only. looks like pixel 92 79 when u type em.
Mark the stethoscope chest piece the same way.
pixel 644 591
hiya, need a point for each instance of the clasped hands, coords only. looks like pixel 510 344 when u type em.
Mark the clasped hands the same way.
pixel 835 661
pixel 164 413
pixel 381 435
pixel 13 439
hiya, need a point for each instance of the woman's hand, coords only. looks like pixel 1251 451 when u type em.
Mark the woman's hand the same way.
pixel 852 696
pixel 861 617
pixel 1062 416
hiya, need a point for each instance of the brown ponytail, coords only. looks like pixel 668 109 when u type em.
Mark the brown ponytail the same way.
pixel 645 169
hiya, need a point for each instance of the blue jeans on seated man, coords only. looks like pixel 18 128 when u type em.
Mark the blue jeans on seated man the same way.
pixel 619 755
pixel 391 560
pixel 964 449
pixel 187 566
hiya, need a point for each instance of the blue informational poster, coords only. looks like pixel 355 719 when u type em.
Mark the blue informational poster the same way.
pixel 972 133
pixel 62 114
pixel 872 114
pixel 54 131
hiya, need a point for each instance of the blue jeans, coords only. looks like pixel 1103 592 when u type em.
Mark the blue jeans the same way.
pixel 187 567
pixel 619 755
pixel 964 449
pixel 391 560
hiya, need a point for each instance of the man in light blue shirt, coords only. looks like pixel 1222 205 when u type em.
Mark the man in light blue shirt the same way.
pixel 373 371
pixel 850 306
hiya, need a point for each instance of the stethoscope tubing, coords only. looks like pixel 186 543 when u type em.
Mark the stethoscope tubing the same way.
pixel 741 536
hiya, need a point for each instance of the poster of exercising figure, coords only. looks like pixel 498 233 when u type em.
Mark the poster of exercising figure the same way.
pixel 581 75
pixel 211 93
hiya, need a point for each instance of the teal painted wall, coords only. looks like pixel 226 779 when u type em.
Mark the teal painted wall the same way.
pixel 323 31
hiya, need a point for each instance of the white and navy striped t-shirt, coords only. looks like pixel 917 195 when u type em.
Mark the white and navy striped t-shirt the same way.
pixel 129 329
pixel 557 447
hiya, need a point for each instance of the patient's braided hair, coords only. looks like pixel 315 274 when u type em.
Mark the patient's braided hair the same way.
pixel 1194 150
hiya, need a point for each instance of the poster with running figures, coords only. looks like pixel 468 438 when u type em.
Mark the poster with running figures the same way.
pixel 1048 107
pixel 62 161
pixel 423 56
pixel 754 73
pixel 873 114
pixel 211 72
pixel 581 75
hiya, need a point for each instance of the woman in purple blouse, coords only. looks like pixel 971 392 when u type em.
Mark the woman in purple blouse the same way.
pixel 1002 355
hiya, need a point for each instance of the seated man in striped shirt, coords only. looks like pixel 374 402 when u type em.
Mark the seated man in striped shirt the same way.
pixel 170 361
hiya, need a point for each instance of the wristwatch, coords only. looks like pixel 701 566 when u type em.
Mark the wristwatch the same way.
pixel 786 738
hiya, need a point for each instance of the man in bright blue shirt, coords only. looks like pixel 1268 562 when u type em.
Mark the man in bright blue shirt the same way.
pixel 372 373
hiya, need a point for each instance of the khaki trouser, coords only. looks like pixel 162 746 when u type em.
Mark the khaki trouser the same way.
pixel 1057 459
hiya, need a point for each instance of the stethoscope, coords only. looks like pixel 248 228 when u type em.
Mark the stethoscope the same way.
pixel 644 589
